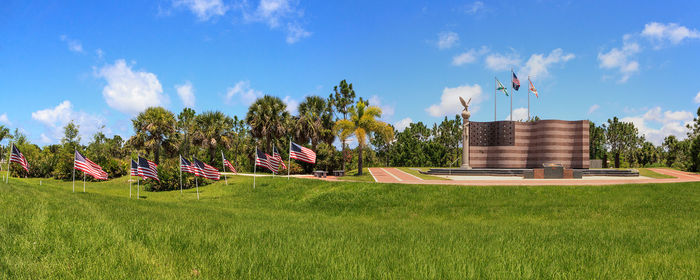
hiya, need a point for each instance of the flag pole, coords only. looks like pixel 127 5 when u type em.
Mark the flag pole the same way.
pixel 180 174
pixel 74 151
pixel 7 178
pixel 255 165
pixel 528 98
pixel 511 94
pixel 138 187
pixel 131 175
pixel 223 166
pixel 495 89
pixel 197 183
pixel 289 167
pixel 83 181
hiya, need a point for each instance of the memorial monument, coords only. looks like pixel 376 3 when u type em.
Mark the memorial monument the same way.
pixel 465 133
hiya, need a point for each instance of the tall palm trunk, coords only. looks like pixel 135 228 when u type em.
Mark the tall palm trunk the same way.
pixel 156 153
pixel 359 160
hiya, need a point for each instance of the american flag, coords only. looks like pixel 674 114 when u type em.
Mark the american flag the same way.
pixel 148 169
pixel 516 82
pixel 134 168
pixel 277 158
pixel 186 166
pixel 18 157
pixel 229 166
pixel 263 160
pixel 300 153
pixel 202 169
pixel 82 163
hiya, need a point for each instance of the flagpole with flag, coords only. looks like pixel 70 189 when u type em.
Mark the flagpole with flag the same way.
pixel 495 93
pixel 528 99
pixel 223 165
pixel 74 151
pixel 290 158
pixel 197 184
pixel 255 166
pixel 180 174
pixel 7 178
pixel 83 181
pixel 131 173
pixel 511 94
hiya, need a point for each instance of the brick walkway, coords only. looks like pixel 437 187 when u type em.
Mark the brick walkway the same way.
pixel 393 175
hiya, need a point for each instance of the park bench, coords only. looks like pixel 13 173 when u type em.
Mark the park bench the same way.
pixel 338 173
pixel 320 173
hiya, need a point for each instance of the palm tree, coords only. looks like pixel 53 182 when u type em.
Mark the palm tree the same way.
pixel 268 119
pixel 186 126
pixel 4 133
pixel 212 130
pixel 361 123
pixel 153 127
pixel 315 121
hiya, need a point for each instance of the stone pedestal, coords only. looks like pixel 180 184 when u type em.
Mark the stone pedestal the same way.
pixel 465 141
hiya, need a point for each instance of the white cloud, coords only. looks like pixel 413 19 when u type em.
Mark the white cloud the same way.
pixel 449 101
pixel 4 119
pixel 538 64
pixel 593 108
pixel 469 57
pixel 672 32
pixel 292 105
pixel 447 39
pixel 57 117
pixel 130 91
pixel 45 139
pixel 474 7
pixel 621 59
pixel 99 53
pixel 203 9
pixel 671 123
pixel 186 93
pixel 519 114
pixel 697 97
pixel 73 45
pixel 276 14
pixel 387 110
pixel 500 62
pixel 245 93
pixel 296 33
pixel 402 124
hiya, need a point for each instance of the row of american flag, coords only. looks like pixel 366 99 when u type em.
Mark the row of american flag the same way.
pixel 148 170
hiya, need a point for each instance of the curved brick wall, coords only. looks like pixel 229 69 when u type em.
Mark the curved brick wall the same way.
pixel 506 144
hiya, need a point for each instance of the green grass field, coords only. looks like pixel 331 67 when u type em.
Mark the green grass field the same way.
pixel 305 228
pixel 414 172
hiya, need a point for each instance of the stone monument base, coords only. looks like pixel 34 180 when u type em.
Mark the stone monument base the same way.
pixel 465 166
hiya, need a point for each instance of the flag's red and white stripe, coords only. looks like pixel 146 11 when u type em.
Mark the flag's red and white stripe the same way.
pixel 186 166
pixel 229 166
pixel 148 169
pixel 82 163
pixel 202 169
pixel 18 157
pixel 263 160
pixel 303 154
pixel 277 159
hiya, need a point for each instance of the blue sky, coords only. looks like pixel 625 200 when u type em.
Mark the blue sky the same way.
pixel 101 62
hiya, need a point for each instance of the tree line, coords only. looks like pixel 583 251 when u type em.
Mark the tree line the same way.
pixel 619 144
pixel 365 141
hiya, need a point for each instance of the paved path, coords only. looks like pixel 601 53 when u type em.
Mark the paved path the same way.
pixel 394 175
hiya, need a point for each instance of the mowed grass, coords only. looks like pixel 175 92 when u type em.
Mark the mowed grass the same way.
pixel 305 228
pixel 651 174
